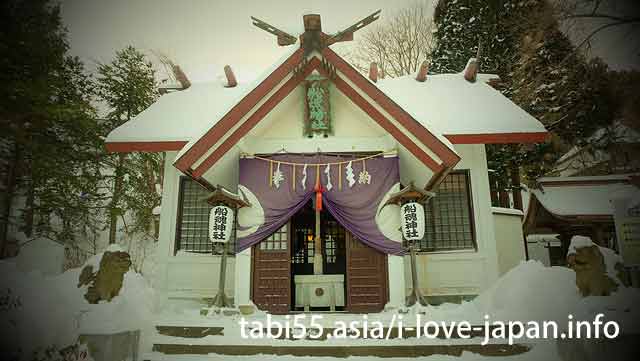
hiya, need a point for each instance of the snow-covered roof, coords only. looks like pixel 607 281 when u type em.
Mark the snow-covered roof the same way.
pixel 186 115
pixel 583 196
pixel 445 104
pixel 176 116
pixel 455 106
pixel 618 132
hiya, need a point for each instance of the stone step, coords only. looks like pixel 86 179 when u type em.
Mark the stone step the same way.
pixel 343 351
pixel 189 331
pixel 388 333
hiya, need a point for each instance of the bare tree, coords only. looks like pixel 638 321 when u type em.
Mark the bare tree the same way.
pixel 605 14
pixel 398 45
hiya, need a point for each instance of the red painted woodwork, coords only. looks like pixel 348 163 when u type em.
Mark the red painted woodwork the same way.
pixel 125 147
pixel 367 281
pixel 238 111
pixel 502 138
pixel 285 90
pixel 372 112
pixel 271 278
pixel 448 156
pixel 254 119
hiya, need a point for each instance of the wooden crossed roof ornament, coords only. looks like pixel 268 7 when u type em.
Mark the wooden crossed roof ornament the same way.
pixel 221 195
pixel 313 38
pixel 410 193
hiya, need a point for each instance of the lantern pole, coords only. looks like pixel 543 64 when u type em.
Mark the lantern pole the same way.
pixel 221 299
pixel 411 194
pixel 222 197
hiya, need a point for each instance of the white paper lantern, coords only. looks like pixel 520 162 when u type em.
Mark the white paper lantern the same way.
pixel 412 219
pixel 220 224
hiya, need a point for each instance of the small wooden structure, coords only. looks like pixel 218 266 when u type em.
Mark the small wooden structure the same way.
pixel 411 193
pixel 221 196
pixel 572 206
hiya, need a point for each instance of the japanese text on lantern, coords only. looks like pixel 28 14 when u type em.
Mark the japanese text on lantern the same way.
pixel 220 224
pixel 412 214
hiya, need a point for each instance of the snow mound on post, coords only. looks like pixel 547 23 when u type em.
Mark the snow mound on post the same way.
pixel 531 291
pixel 53 310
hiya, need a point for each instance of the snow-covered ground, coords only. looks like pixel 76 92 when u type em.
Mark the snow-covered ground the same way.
pixel 542 352
pixel 52 310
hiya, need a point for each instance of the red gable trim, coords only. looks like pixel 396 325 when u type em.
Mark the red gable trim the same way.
pixel 285 90
pixel 237 112
pixel 372 112
pixel 447 155
pixel 126 147
pixel 255 118
pixel 501 138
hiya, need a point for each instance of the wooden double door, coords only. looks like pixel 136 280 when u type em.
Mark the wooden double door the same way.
pixel 272 275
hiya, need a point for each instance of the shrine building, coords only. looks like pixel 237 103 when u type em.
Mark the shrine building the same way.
pixel 313 150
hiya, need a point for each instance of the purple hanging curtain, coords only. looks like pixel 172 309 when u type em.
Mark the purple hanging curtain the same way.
pixel 354 207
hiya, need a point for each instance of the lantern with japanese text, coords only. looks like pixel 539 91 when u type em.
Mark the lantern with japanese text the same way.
pixel 411 200
pixel 221 221
pixel 412 220
pixel 220 224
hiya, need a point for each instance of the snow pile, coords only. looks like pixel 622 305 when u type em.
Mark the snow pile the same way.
pixel 530 291
pixel 53 310
pixel 621 306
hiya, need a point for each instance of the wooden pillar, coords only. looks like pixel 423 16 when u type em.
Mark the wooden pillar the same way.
pixel 504 199
pixel 515 188
pixel 317 247
pixel 597 235
pixel 565 242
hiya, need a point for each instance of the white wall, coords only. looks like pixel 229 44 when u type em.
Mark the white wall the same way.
pixel 509 238
pixel 465 272
pixel 183 275
pixel 447 273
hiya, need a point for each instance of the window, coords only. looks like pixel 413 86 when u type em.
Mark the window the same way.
pixel 277 241
pixel 192 233
pixel 449 217
pixel 303 246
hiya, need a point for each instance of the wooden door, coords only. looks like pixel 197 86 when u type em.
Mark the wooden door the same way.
pixel 367 286
pixel 271 274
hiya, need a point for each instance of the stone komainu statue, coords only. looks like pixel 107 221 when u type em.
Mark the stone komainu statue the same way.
pixel 591 272
pixel 107 282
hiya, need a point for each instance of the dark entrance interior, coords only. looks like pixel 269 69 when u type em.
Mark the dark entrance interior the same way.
pixel 333 236
pixel 290 251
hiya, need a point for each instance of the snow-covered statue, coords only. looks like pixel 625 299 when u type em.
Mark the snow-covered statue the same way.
pixel 106 283
pixel 597 268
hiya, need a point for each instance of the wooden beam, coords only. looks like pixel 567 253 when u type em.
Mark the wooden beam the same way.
pixel 347 34
pixel 447 155
pixel 422 73
pixel 499 138
pixel 126 147
pixel 255 118
pixel 284 38
pixel 229 120
pixel 231 78
pixel 373 72
pixel 372 112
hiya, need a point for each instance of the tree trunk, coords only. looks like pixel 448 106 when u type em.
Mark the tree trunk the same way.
pixel 29 209
pixel 515 188
pixel 12 175
pixel 115 198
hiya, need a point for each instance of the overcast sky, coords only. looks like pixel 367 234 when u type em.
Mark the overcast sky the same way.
pixel 204 35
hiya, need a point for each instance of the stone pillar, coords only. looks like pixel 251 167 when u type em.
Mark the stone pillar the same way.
pixel 397 286
pixel 242 289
